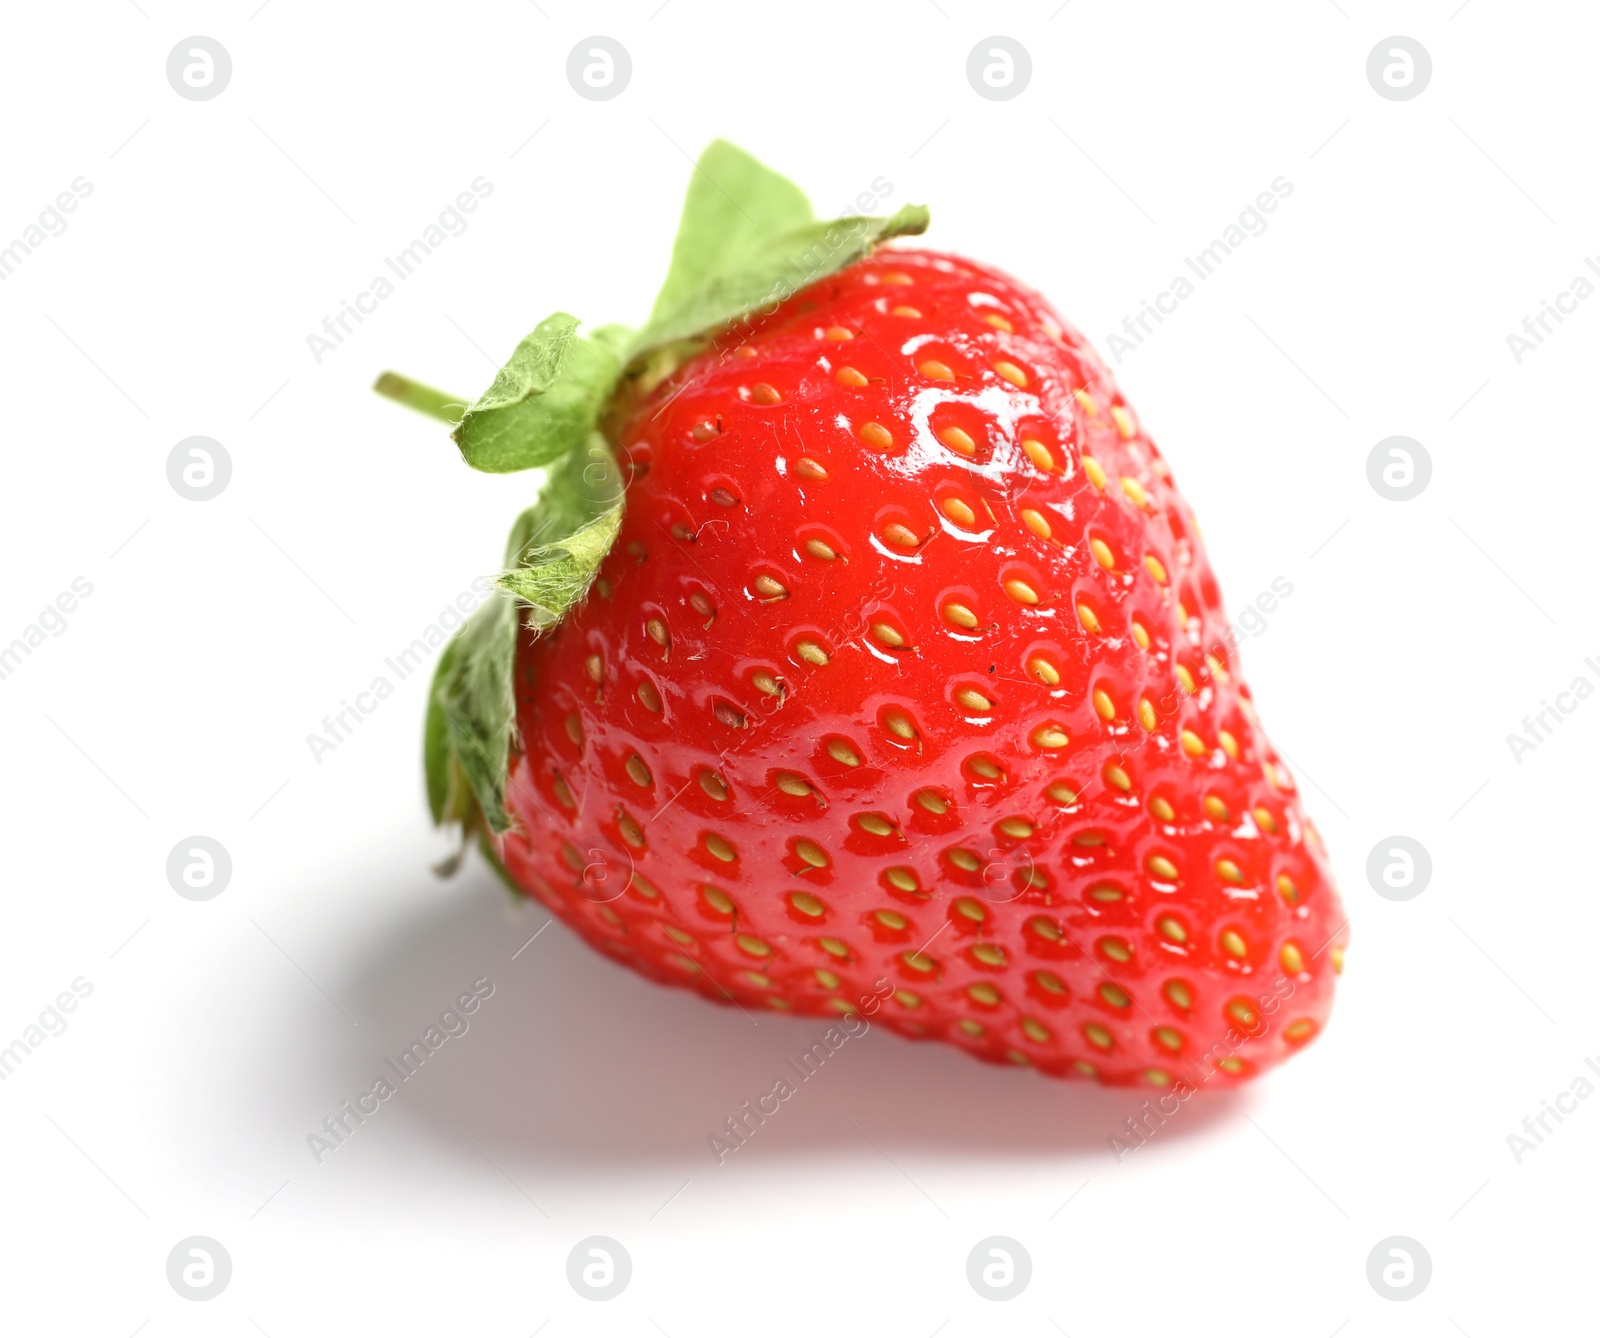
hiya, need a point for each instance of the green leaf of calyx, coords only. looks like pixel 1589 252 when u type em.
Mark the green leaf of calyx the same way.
pixel 747 241
pixel 554 551
pixel 545 401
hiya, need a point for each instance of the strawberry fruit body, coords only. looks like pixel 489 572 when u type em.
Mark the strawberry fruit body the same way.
pixel 905 689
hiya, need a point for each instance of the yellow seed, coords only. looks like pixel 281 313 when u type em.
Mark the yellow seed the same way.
pixel 933 802
pixel 990 954
pixel 1136 493
pixel 1012 373
pixel 643 887
pixel 791 784
pixel 898 277
pixel 637 771
pixel 1124 421
pixel 1230 745
pixel 1169 1037
pixel 811 853
pixel 1265 820
pixel 984 993
pixel 1215 666
pixel 834 947
pixel 827 979
pixel 762 393
pixel 1152 564
pixel 958 511
pixel 971 699
pixel 1173 929
pixel 973 910
pixel 1233 944
pixel 729 715
pixel 632 833
pixel 961 615
pixel 752 945
pixel 807 468
pixel 563 792
pixel 1085 402
pixel 1044 671
pixel 1178 993
pixel 1300 1030
pixel 1141 634
pixel 985 767
pixel 964 859
pixel 1045 928
pixel 876 435
pixel 1286 888
pixel 1087 619
pixel 1192 743
pixel 1337 958
pixel 1035 1030
pixel 1103 705
pixel 1049 981
pixel 1290 959
pixel 701 604
pixel 875 824
pixel 1019 829
pixel 596 668
pixel 1114 995
pixel 890 919
pixel 1162 868
pixel 720 848
pixel 818 549
pixel 1117 777
pixel 850 377
pixel 575 730
pixel 843 753
pixel 1021 591
pixel 1050 736
pixel 1147 714
pixel 999 322
pixel 1036 522
pixel 756 979
pixel 917 962
pixel 900 724
pixel 1102 553
pixel 806 904
pixel 769 587
pixel 811 652
pixel 898 535
pixel 1039 454
pixel 958 440
pixel 1064 795
pixel 713 785
pixel 1215 809
pixel 1097 1035
pixel 887 635
pixel 767 683
pixel 1185 679
pixel 910 313
pixel 649 697
pixel 1115 948
pixel 1097 475
pixel 1162 810
pixel 1243 1014
pixel 1229 872
pixel 936 371
pixel 838 333
pixel 717 899
pixel 1232 1064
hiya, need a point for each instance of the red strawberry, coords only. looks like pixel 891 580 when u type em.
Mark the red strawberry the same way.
pixel 906 688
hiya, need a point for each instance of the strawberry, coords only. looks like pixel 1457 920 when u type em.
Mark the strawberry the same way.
pixel 902 686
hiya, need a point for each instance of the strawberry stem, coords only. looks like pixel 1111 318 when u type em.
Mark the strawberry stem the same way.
pixel 424 399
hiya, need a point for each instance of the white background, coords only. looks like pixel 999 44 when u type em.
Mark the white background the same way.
pixel 177 701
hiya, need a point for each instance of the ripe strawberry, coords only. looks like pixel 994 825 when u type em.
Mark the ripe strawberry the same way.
pixel 906 688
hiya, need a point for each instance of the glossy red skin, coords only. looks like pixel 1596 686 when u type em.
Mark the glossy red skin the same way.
pixel 571 851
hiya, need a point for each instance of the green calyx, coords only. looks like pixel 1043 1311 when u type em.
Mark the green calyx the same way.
pixel 747 241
